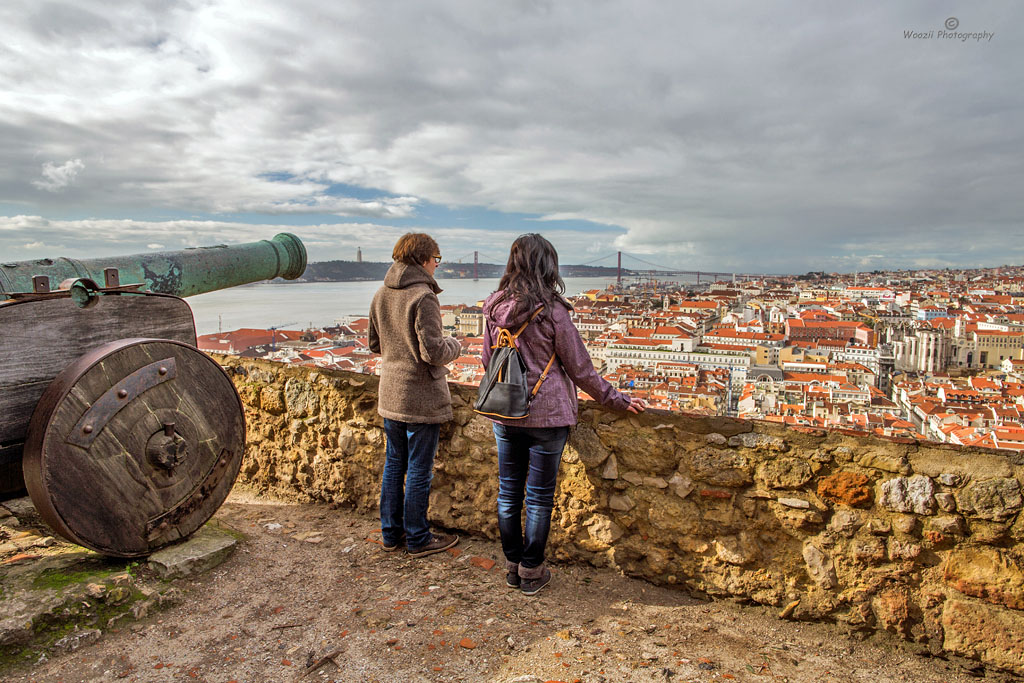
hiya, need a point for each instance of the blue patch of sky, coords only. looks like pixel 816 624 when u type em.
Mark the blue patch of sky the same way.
pixel 425 214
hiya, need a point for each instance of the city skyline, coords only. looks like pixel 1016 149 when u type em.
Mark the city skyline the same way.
pixel 735 137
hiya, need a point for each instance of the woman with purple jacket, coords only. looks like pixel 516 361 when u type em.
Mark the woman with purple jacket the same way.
pixel 530 448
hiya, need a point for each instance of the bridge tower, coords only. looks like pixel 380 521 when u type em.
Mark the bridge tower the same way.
pixel 618 277
pixel 476 260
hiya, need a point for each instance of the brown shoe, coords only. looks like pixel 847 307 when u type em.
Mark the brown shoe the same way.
pixel 392 548
pixel 533 579
pixel 438 542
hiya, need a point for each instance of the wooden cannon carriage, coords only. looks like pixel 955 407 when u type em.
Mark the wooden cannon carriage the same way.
pixel 127 437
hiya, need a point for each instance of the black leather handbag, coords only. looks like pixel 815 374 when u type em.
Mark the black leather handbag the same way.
pixel 503 390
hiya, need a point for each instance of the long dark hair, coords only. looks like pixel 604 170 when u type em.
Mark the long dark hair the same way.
pixel 531 274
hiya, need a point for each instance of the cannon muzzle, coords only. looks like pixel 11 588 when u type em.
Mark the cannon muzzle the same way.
pixel 181 273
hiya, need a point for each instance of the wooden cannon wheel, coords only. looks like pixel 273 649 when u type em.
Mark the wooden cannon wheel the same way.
pixel 134 446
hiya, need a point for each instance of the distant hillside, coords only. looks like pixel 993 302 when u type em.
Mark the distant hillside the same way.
pixel 343 271
pixel 346 271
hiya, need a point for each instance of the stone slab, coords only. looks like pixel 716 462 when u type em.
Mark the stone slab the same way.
pixel 206 549
pixel 984 632
pixel 31 596
pixel 22 508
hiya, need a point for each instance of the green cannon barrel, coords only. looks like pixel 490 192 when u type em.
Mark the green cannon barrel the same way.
pixel 182 273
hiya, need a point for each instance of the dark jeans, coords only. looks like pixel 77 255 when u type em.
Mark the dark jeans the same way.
pixel 528 459
pixel 405 487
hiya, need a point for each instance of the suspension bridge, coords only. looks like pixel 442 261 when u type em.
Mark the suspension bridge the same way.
pixel 646 269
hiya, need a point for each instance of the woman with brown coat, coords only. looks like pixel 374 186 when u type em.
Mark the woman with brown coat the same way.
pixel 413 398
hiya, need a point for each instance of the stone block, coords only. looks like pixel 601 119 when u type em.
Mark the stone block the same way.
pixel 206 549
pixel 677 517
pixel 634 478
pixel 611 468
pixel 681 485
pixel 984 632
pixel 796 519
pixel 868 550
pixel 987 573
pixel 993 499
pixel 300 398
pixel 784 473
pixel 845 522
pixel 721 467
pixel 885 460
pixel 947 479
pixel 736 550
pixel 621 503
pixel 843 454
pixel 988 533
pixel 655 482
pixel 946 501
pixel 909 494
pixel 761 442
pixel 272 400
pixel 657 559
pixel 901 550
pixel 819 566
pixel 905 524
pixel 879 527
pixel 892 609
pixel 847 488
pixel 946 524
pixel 938 463
pixel 602 533
pixel 479 429
pixel 587 446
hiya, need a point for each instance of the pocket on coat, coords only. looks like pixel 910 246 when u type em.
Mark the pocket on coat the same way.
pixel 437 371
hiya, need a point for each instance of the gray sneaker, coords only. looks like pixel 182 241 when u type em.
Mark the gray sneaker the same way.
pixel 512 579
pixel 392 548
pixel 438 542
pixel 532 586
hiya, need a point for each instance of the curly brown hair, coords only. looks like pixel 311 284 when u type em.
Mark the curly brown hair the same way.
pixel 414 248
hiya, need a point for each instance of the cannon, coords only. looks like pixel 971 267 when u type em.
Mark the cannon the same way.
pixel 127 437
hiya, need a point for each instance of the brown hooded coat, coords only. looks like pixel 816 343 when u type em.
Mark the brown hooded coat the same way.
pixel 405 328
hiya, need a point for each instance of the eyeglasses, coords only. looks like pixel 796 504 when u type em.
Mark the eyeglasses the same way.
pixel 437 259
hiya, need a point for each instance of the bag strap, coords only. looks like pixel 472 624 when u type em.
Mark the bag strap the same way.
pixel 504 339
pixel 520 330
pixel 543 376
pixel 508 337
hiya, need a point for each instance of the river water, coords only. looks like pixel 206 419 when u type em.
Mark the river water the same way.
pixel 317 304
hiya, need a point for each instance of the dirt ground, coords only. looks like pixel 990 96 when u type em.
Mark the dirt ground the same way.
pixel 310 595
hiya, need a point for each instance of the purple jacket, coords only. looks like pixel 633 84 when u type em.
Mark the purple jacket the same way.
pixel 551 331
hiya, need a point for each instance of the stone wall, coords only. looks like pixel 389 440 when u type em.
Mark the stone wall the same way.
pixel 920 539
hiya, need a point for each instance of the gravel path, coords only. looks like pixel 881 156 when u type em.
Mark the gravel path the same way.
pixel 311 594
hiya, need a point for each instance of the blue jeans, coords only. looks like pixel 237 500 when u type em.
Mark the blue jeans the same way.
pixel 528 458
pixel 405 487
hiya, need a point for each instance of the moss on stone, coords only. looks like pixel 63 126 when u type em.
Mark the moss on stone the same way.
pixel 56 579
pixel 77 613
pixel 232 532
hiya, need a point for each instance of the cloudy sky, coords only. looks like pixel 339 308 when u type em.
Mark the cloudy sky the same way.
pixel 752 137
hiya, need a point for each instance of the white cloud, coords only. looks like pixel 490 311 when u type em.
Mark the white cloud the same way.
pixel 56 178
pixel 323 242
pixel 727 135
